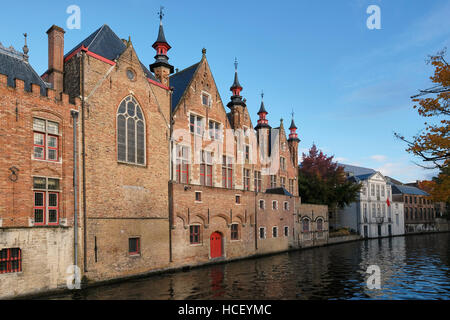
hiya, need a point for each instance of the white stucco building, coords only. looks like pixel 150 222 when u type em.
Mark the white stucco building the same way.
pixel 374 214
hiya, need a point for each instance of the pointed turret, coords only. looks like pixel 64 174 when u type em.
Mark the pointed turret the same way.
pixel 161 66
pixel 293 141
pixel 236 105
pixel 262 113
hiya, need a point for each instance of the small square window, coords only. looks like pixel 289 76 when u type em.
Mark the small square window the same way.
pixel 261 204
pixel 134 246
pixel 206 99
pixel 198 196
pixel 262 233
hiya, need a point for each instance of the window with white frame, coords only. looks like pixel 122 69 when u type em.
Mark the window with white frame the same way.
pixel 130 132
pixel 382 191
pixel 46 201
pixel 283 163
pixel 262 204
pixel 373 210
pixel 262 232
pixel 258 181
pixel 247 153
pixel 206 99
pixel 196 124
pixel 182 164
pixel 214 130
pixel 291 186
pixel 206 169
pixel 246 179
pixel 275 232
pixel 227 172
pixel 46 140
pixel 372 190
pixel 283 182
pixel 273 181
pixel 286 205
pixel 274 205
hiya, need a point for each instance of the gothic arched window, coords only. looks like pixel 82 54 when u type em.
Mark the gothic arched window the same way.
pixel 130 132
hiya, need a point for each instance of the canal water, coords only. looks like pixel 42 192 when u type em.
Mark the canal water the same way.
pixel 412 267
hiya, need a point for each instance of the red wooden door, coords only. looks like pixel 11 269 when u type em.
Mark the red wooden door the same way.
pixel 216 245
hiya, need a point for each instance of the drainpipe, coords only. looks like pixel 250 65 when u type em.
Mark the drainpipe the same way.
pixel 75 187
pixel 170 175
pixel 83 153
pixel 256 222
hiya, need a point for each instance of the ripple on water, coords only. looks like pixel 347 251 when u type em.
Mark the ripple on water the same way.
pixel 413 267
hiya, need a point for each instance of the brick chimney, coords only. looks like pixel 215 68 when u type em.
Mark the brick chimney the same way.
pixel 56 58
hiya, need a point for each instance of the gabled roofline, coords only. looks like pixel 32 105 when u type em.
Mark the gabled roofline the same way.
pixel 103 59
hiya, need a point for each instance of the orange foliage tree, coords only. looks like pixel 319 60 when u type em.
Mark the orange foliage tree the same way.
pixel 432 145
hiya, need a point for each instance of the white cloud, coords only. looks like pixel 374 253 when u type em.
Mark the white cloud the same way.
pixel 406 172
pixel 378 158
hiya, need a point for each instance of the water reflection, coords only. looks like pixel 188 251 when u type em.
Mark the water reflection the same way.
pixel 414 267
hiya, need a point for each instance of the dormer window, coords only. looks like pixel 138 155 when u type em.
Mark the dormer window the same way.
pixel 206 99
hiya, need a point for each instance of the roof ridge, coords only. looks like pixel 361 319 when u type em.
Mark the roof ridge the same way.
pixel 99 31
pixel 195 64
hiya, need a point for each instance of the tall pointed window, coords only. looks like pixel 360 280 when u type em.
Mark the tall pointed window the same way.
pixel 130 132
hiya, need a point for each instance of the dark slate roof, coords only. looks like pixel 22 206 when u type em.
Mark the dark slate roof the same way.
pixel 262 109
pixel 236 83
pixel 356 171
pixel 161 37
pixel 280 190
pixel 396 189
pixel 179 81
pixel 13 64
pixel 363 177
pixel 107 44
pixel 293 126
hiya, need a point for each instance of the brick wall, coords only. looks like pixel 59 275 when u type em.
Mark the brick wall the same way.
pixel 47 251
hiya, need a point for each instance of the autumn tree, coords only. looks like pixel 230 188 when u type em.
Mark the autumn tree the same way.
pixel 432 144
pixel 323 181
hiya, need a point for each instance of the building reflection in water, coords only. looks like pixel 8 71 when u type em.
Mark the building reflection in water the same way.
pixel 413 267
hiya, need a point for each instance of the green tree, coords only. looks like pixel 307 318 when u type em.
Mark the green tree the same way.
pixel 323 181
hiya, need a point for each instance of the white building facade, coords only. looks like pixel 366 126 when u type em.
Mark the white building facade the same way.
pixel 374 214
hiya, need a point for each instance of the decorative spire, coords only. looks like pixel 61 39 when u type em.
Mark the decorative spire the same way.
pixel 236 88
pixel 262 121
pixel 25 48
pixel 293 129
pixel 262 109
pixel 203 52
pixel 161 46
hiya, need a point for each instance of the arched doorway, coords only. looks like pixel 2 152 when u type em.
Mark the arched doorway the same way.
pixel 215 243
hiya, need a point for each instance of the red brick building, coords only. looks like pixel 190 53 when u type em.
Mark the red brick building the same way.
pixel 36 177
pixel 166 174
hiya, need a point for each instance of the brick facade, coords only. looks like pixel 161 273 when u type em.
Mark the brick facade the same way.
pixel 46 249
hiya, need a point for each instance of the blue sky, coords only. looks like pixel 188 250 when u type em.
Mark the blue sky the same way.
pixel 349 86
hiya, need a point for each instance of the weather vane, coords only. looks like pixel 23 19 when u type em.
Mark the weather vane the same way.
pixel 262 94
pixel 235 64
pixel 161 13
